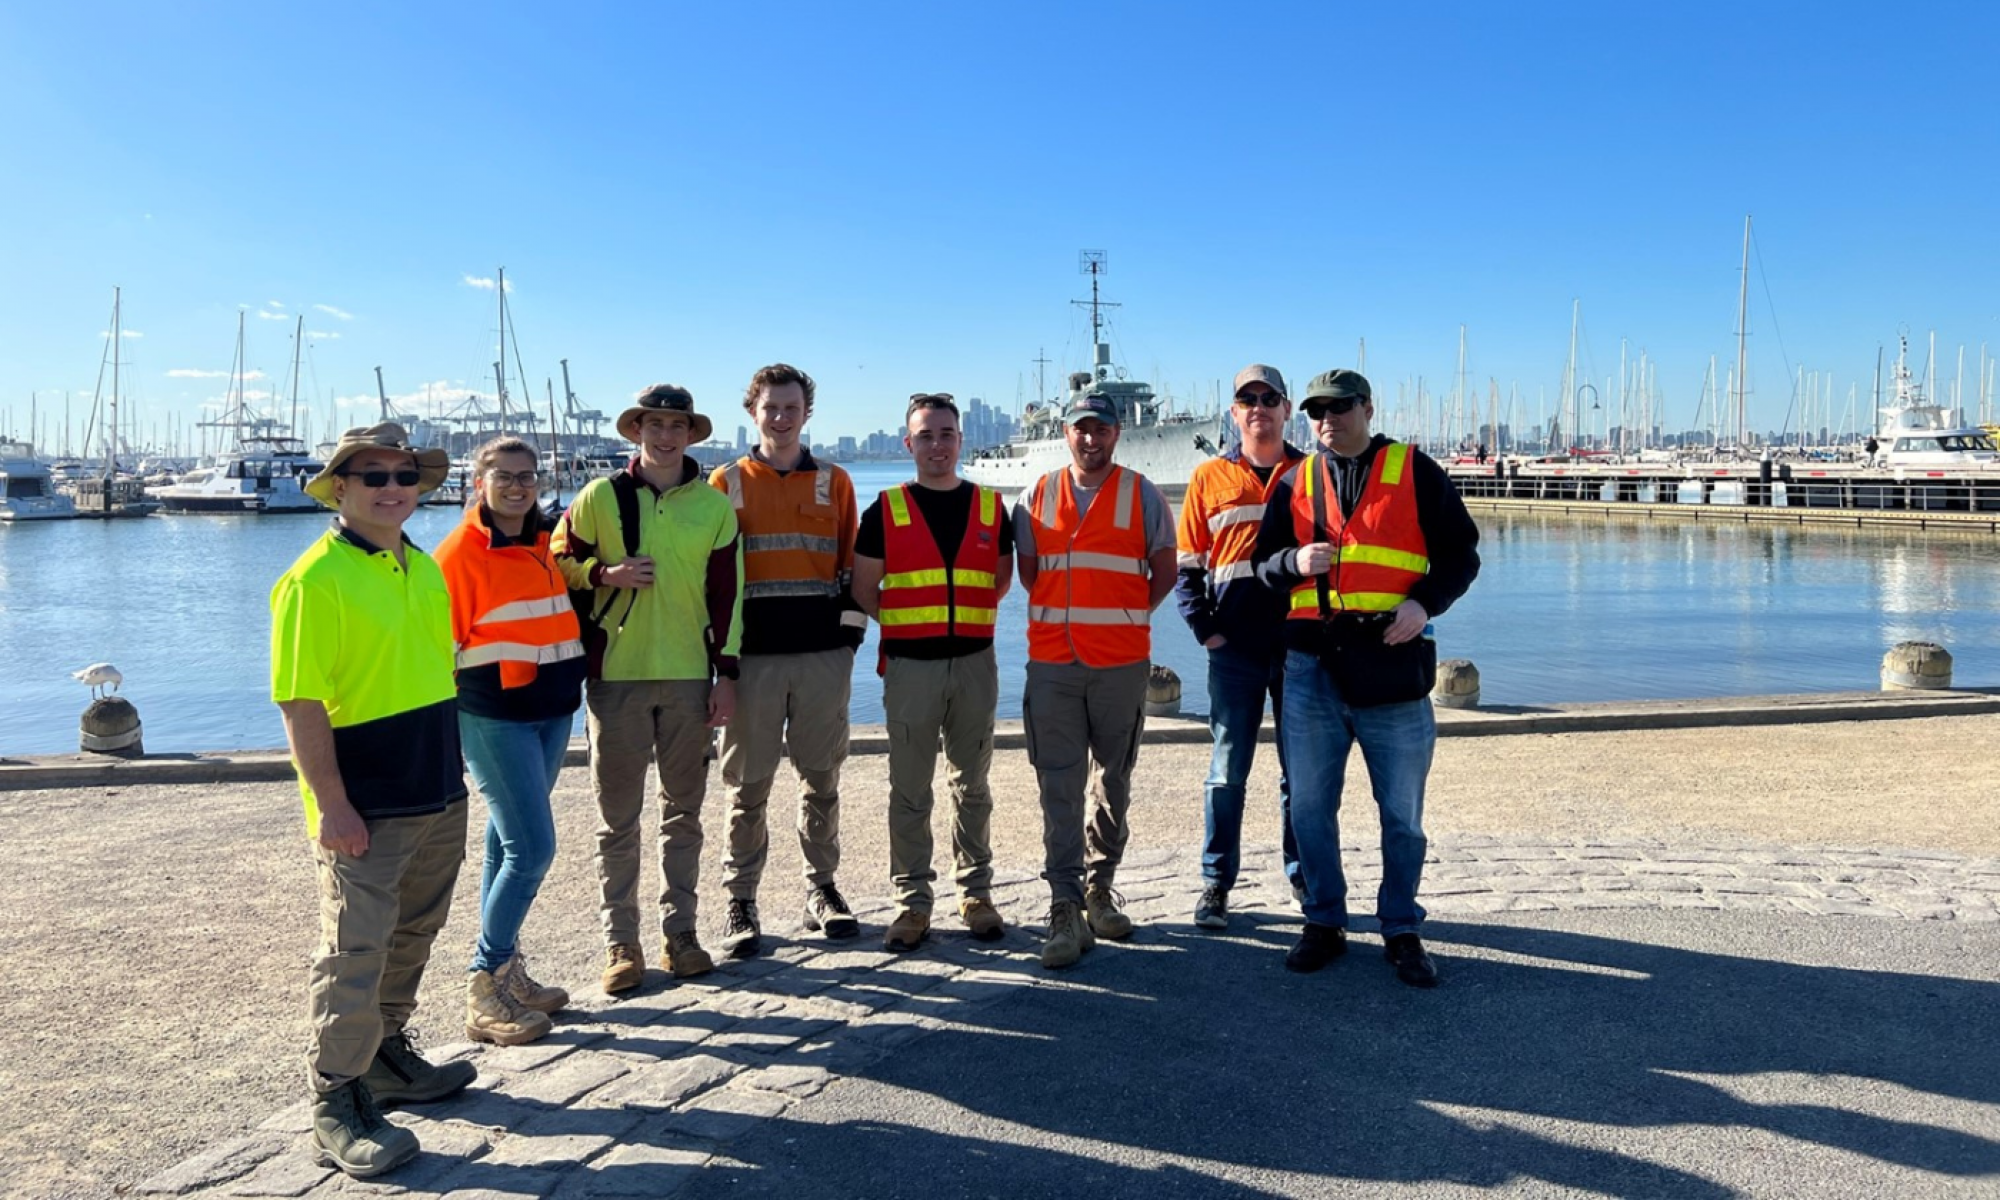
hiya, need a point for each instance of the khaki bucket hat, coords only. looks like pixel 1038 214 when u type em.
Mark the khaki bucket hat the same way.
pixel 665 397
pixel 434 463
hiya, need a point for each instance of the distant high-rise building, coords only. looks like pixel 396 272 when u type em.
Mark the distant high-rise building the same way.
pixel 742 439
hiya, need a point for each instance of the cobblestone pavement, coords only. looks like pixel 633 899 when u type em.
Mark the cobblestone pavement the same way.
pixel 636 1096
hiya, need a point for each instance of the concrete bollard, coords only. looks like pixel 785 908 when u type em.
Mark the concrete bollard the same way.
pixel 1916 666
pixel 1457 684
pixel 1163 692
pixel 111 726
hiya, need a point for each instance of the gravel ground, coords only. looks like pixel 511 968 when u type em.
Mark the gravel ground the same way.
pixel 155 938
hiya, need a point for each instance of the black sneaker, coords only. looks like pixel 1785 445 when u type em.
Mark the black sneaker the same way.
pixel 741 935
pixel 350 1132
pixel 1318 945
pixel 399 1075
pixel 826 909
pixel 1212 910
pixel 1413 966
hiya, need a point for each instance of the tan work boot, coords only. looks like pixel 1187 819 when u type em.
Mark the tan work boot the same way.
pixel 513 976
pixel 624 967
pixel 907 931
pixel 685 957
pixel 1105 918
pixel 1069 935
pixel 982 918
pixel 493 1015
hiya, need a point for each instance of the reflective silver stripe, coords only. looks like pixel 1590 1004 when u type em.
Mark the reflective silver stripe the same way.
pixel 823 485
pixel 1242 514
pixel 1235 570
pixel 856 620
pixel 1128 496
pixel 1090 616
pixel 732 475
pixel 767 588
pixel 790 541
pixel 1052 480
pixel 1091 560
pixel 1189 560
pixel 527 610
pixel 493 652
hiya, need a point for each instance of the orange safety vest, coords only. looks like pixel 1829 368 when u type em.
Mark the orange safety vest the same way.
pixel 1220 515
pixel 792 545
pixel 921 596
pixel 1090 602
pixel 1382 551
pixel 508 606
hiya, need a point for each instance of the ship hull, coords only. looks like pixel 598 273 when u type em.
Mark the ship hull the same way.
pixel 1166 454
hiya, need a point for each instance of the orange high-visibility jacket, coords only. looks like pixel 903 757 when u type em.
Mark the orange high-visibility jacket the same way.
pixel 922 597
pixel 1090 603
pixel 508 605
pixel 1220 514
pixel 1381 547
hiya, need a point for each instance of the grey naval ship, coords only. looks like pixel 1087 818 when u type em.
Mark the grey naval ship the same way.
pixel 1165 448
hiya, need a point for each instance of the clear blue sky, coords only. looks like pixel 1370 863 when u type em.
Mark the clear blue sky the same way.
pixel 893 196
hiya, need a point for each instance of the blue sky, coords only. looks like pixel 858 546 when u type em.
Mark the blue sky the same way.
pixel 893 196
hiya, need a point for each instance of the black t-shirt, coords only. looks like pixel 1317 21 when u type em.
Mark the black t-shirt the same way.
pixel 945 515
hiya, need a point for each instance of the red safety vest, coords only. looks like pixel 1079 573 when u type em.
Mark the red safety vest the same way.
pixel 1090 602
pixel 1382 551
pixel 922 597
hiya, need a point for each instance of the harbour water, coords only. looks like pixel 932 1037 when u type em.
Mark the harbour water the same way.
pixel 1567 609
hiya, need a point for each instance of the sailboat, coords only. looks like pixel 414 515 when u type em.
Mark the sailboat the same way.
pixel 107 494
pixel 265 473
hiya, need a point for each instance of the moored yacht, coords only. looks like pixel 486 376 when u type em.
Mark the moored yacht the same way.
pixel 26 491
pixel 263 475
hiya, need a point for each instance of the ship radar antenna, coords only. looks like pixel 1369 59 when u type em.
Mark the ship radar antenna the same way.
pixel 1093 264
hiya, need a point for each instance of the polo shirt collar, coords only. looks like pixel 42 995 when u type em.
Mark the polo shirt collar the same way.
pixel 342 533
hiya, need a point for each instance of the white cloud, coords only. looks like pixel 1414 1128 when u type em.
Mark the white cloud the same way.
pixel 483 284
pixel 193 373
pixel 274 304
pixel 322 335
pixel 333 312
pixel 122 333
pixel 265 314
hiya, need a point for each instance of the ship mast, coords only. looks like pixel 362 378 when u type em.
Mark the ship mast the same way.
pixel 1742 345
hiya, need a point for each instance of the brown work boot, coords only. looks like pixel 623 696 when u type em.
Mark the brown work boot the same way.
pixel 1069 935
pixel 624 967
pixel 907 931
pixel 1105 918
pixel 492 1014
pixel 513 976
pixel 982 918
pixel 685 957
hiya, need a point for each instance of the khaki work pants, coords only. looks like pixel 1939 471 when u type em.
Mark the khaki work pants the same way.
pixel 378 916
pixel 926 702
pixel 634 723
pixel 795 703
pixel 1073 715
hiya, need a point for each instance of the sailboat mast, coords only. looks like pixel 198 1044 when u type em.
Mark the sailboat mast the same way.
pixel 500 368
pixel 111 442
pixel 1742 346
pixel 298 348
pixel 1567 406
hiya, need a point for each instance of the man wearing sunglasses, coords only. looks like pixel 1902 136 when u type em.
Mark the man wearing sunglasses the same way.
pixel 361 668
pixel 1237 620
pixel 1369 540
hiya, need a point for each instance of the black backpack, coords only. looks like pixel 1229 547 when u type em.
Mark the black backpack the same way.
pixel 591 613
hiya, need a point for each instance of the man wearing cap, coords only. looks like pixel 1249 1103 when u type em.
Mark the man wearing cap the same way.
pixel 1095 548
pixel 1237 620
pixel 1369 540
pixel 931 562
pixel 801 628
pixel 663 625
pixel 361 668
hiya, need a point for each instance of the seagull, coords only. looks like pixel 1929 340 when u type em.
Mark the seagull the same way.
pixel 98 676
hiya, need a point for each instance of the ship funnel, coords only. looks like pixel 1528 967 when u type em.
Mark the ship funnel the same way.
pixel 1103 360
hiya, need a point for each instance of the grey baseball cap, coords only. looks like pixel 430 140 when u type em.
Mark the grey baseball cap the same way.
pixel 1259 373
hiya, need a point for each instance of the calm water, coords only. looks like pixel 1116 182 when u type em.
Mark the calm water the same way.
pixel 1565 610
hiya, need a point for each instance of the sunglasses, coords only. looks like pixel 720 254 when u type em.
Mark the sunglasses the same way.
pixel 406 477
pixel 945 396
pixel 1319 410
pixel 514 478
pixel 1266 399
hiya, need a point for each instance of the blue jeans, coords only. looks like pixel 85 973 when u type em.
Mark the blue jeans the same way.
pixel 1237 685
pixel 515 764
pixel 1396 743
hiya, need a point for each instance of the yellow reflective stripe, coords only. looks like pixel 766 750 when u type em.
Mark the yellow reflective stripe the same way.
pixel 1382 556
pixel 936 614
pixel 1310 471
pixel 493 652
pixel 899 506
pixel 1308 597
pixel 1394 455
pixel 977 616
pixel 989 500
pixel 1305 597
pixel 526 610
pixel 973 578
pixel 934 577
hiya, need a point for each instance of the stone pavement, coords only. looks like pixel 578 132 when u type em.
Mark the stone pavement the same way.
pixel 647 1095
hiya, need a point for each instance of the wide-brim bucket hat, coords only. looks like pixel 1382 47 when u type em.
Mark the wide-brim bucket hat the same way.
pixel 432 462
pixel 665 397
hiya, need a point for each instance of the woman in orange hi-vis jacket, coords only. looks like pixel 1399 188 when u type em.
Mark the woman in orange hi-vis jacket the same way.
pixel 520 682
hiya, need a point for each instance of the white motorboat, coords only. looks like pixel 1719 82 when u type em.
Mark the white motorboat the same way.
pixel 27 493
pixel 263 475
pixel 1920 434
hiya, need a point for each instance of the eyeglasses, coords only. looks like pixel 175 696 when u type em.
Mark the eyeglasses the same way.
pixel 406 477
pixel 1267 399
pixel 1319 410
pixel 515 478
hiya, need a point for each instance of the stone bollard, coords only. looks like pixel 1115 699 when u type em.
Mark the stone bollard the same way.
pixel 1916 666
pixel 1163 692
pixel 1457 684
pixel 111 726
